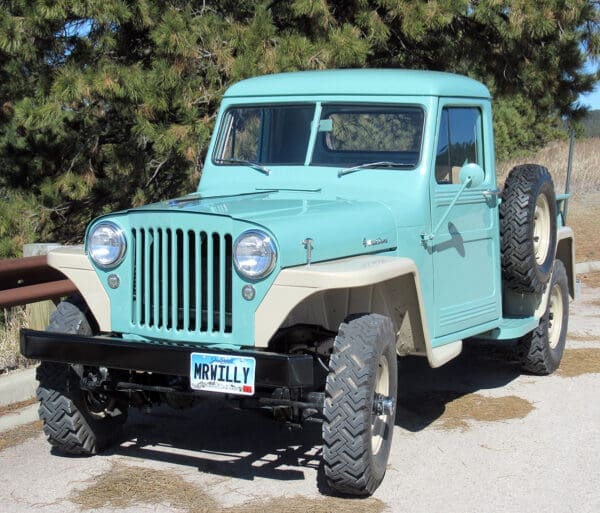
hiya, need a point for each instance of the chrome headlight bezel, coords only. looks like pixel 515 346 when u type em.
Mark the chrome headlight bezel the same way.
pixel 266 251
pixel 114 234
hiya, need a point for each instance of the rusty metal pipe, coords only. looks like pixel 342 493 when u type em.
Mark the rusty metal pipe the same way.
pixel 16 265
pixel 19 272
pixel 34 293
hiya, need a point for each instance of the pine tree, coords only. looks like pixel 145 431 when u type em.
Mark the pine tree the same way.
pixel 106 104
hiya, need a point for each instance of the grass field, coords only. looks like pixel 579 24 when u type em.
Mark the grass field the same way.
pixel 585 177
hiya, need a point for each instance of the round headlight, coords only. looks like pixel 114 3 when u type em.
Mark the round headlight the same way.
pixel 254 254
pixel 107 245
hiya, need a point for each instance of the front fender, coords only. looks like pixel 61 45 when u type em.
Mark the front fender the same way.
pixel 75 265
pixel 326 293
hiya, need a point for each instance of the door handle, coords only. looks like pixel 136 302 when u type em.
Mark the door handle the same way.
pixel 491 195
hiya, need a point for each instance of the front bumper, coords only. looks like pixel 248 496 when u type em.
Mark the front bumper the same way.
pixel 272 369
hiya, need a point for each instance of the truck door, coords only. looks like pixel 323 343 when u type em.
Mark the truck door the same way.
pixel 465 251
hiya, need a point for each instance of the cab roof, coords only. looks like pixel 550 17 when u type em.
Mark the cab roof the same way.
pixel 376 82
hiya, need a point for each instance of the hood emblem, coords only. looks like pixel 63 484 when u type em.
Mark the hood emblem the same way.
pixel 373 242
pixel 308 245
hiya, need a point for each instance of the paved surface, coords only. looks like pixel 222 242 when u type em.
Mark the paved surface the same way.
pixel 548 460
pixel 17 386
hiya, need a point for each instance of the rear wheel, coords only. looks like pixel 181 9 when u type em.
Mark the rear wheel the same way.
pixel 75 421
pixel 360 402
pixel 541 350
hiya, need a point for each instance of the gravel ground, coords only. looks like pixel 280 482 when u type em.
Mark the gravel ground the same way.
pixel 473 436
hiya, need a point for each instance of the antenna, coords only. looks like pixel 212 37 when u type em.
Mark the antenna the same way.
pixel 569 171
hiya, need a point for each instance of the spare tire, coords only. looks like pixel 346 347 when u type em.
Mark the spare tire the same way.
pixel 528 228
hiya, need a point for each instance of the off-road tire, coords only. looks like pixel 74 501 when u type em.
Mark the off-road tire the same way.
pixel 356 441
pixel 541 350
pixel 70 425
pixel 528 228
pixel 72 316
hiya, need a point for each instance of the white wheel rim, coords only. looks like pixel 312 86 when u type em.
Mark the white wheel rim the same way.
pixel 541 229
pixel 555 316
pixel 379 422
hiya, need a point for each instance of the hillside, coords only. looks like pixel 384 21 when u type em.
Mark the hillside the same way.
pixel 591 124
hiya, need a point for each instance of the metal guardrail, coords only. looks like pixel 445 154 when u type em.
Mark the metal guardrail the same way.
pixel 29 280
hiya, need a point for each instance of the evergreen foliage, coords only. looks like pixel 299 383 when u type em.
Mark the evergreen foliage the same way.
pixel 110 103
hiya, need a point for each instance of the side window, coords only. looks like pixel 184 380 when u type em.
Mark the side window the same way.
pixel 459 142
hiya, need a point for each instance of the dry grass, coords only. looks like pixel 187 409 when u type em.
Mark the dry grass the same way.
pixel 11 322
pixel 582 338
pixel 583 215
pixel 476 407
pixel 453 410
pixel 20 435
pixel 590 279
pixel 586 164
pixel 16 406
pixel 576 362
pixel 123 486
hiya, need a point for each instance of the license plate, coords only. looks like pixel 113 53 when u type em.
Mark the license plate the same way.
pixel 222 373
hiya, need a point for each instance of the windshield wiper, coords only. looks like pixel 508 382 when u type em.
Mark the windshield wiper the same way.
pixel 370 165
pixel 249 163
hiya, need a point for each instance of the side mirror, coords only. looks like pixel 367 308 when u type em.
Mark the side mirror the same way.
pixel 472 173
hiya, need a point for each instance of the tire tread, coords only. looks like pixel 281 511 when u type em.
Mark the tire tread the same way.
pixel 348 406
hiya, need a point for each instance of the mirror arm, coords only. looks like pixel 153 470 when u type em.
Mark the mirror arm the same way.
pixel 426 237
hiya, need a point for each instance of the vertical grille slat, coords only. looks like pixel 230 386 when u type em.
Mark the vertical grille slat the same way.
pixel 164 287
pixel 156 278
pixel 222 282
pixel 198 281
pixel 173 282
pixel 209 283
pixel 186 282
pixel 182 281
pixel 147 289
pixel 138 277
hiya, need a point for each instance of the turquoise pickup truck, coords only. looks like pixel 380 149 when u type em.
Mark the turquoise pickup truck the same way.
pixel 344 219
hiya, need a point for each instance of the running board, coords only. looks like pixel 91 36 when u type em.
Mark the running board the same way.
pixel 511 328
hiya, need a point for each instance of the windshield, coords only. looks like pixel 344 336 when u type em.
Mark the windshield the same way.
pixel 346 136
pixel 275 135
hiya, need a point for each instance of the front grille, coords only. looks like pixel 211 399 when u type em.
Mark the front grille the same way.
pixel 182 280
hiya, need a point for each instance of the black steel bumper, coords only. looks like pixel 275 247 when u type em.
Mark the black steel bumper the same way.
pixel 272 369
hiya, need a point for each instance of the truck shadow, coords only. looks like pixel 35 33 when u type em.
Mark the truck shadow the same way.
pixel 424 393
pixel 220 440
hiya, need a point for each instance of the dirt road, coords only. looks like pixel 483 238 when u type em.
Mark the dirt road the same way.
pixel 472 436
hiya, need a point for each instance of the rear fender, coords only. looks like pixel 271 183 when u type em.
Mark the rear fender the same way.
pixel 534 305
pixel 565 252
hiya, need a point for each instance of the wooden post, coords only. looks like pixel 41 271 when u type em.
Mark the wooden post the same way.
pixel 39 313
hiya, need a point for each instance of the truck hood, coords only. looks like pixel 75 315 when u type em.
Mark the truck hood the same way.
pixel 338 227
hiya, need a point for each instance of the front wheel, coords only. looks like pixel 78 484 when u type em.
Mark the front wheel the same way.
pixel 360 402
pixel 541 350
pixel 75 421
